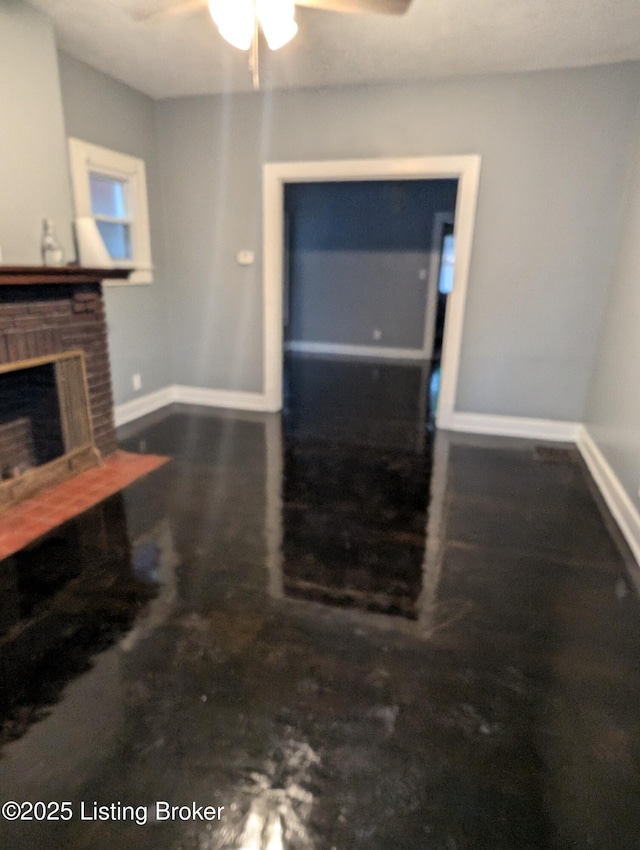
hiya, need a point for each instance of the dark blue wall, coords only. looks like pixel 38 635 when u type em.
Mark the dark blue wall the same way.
pixel 357 249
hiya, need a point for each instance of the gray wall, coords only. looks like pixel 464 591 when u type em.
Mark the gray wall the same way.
pixel 553 146
pixel 33 162
pixel 613 410
pixel 357 250
pixel 103 111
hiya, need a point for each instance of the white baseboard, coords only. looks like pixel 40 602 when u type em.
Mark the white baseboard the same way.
pixel 177 393
pixel 137 407
pixel 512 426
pixel 618 501
pixel 232 399
pixel 379 352
pixel 471 423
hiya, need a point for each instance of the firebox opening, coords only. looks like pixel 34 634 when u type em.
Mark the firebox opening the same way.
pixel 30 423
pixel 46 433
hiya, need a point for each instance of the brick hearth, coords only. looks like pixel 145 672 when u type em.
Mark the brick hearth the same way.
pixel 30 520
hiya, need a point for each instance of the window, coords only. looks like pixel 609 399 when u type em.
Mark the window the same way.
pixel 111 188
pixel 111 209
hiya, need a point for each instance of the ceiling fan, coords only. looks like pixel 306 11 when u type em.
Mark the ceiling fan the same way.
pixel 240 21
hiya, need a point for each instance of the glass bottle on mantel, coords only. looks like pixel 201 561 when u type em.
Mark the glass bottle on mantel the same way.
pixel 52 253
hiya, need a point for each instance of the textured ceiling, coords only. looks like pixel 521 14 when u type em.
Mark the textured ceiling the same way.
pixel 169 55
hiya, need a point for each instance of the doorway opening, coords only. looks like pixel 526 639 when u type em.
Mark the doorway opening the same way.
pixel 464 169
pixel 361 303
pixel 442 276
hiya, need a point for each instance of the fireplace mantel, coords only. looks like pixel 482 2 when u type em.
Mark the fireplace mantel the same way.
pixel 48 275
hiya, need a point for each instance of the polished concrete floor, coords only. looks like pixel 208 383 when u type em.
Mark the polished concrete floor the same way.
pixel 346 630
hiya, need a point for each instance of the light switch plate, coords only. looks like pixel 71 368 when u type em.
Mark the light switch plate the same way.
pixel 245 258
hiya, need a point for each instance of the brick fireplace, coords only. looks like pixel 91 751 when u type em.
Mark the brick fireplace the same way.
pixel 56 404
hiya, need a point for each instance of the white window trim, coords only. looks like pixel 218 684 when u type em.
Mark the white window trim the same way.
pixel 85 157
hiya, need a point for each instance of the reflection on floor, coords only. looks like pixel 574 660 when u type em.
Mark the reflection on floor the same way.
pixel 61 603
pixel 472 683
pixel 357 469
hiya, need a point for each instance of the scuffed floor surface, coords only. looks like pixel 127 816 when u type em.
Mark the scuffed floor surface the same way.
pixel 260 626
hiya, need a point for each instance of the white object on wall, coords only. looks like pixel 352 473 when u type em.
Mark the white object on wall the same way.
pixel 91 249
pixel 245 258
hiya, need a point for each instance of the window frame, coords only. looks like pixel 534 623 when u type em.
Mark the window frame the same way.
pixel 86 158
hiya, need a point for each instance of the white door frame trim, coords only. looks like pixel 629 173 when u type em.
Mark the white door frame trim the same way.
pixel 466 169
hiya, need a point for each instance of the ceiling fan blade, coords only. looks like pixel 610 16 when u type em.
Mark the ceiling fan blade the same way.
pixel 373 7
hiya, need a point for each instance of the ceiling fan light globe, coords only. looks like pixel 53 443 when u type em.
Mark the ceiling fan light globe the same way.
pixel 281 35
pixel 277 19
pixel 235 20
pixel 237 36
